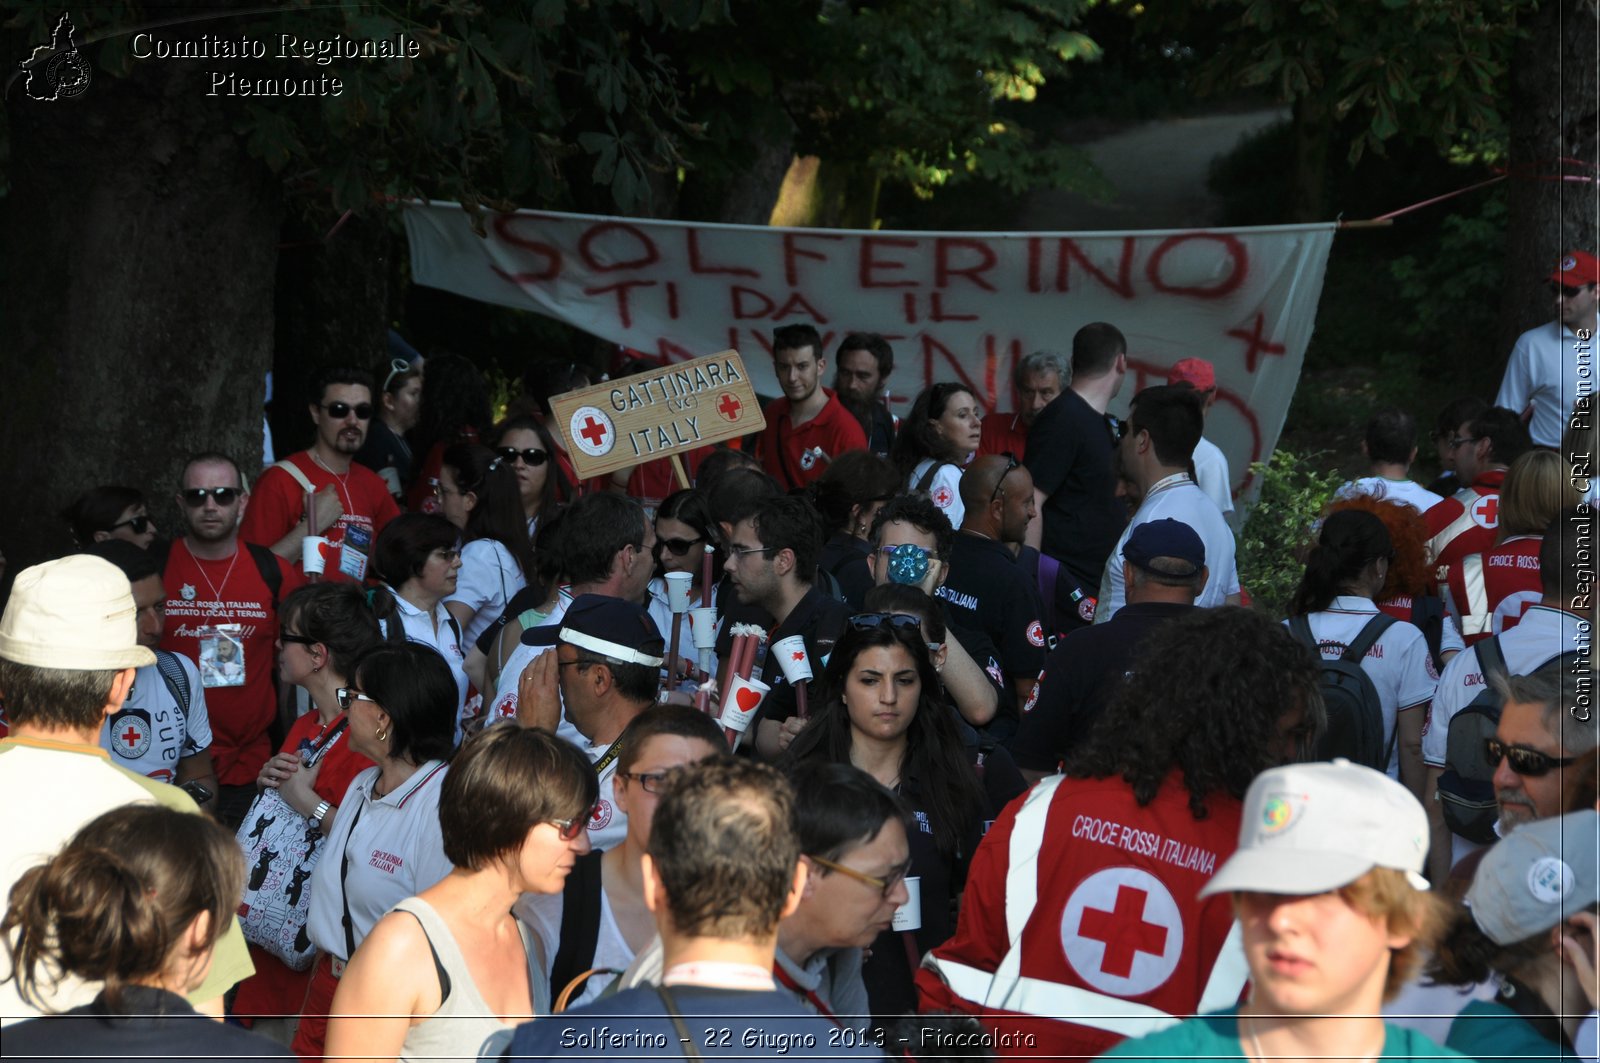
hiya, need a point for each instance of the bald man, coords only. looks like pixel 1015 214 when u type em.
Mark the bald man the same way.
pixel 986 588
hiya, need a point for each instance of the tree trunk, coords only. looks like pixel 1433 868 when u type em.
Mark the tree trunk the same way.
pixel 136 291
pixel 332 308
pixel 747 196
pixel 1552 118
pixel 1312 128
pixel 828 194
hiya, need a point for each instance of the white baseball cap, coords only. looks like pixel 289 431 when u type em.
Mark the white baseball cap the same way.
pixel 1310 828
pixel 75 613
pixel 1537 877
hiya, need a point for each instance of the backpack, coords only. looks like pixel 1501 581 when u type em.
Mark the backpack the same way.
pixel 1466 787
pixel 176 678
pixel 1354 711
pixel 267 564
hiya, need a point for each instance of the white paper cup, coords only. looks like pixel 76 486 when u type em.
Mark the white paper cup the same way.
pixel 740 703
pixel 792 658
pixel 909 915
pixel 703 627
pixel 678 591
pixel 311 554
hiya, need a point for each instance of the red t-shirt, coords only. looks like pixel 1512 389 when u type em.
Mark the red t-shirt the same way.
pixel 203 594
pixel 279 502
pixel 1116 913
pixel 653 481
pixel 786 449
pixel 1003 432
pixel 275 989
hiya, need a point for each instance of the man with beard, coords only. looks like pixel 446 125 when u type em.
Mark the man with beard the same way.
pixel 350 503
pixel 222 598
pixel 808 427
pixel 862 370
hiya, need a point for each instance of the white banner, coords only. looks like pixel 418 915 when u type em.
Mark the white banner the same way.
pixel 954 306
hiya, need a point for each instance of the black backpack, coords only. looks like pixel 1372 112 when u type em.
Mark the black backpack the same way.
pixel 1354 711
pixel 1466 787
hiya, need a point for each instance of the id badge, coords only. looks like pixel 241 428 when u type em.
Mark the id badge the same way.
pixel 353 549
pixel 221 655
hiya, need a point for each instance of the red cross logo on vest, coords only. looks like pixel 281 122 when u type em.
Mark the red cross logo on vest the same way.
pixel 729 406
pixel 591 431
pixel 1122 932
pixel 1486 511
pixel 132 734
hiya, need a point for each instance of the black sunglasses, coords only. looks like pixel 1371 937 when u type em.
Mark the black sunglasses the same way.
pixel 195 497
pixel 867 621
pixel 1564 291
pixel 340 410
pixel 679 547
pixel 298 640
pixel 140 525
pixel 1528 763
pixel 532 457
pixel 1011 463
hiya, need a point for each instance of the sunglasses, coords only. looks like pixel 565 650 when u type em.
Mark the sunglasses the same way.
pixel 296 640
pixel 1528 763
pixel 999 485
pixel 195 497
pixel 569 829
pixel 885 886
pixel 350 695
pixel 532 457
pixel 396 367
pixel 679 547
pixel 868 621
pixel 1564 291
pixel 140 525
pixel 340 410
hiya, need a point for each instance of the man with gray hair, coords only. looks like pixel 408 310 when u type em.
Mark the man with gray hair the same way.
pixel 1547 722
pixel 1038 379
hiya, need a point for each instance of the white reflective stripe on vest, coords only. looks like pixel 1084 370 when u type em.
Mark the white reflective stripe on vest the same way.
pixel 1006 989
pixel 1447 535
pixel 1475 616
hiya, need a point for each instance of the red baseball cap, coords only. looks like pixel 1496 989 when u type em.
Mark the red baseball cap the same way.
pixel 1196 372
pixel 1576 269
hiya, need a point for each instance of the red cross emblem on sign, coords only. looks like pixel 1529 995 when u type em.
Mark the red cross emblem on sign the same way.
pixel 1123 931
pixel 1256 343
pixel 593 431
pixel 729 406
pixel 1486 511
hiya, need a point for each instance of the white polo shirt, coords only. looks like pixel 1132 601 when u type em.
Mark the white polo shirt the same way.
pixel 504 706
pixel 1398 664
pixel 1211 472
pixel 151 732
pixel 1181 499
pixel 439 633
pixel 1545 372
pixel 394 848
pixel 488 577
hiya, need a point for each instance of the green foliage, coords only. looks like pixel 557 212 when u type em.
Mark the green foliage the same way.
pixel 1294 492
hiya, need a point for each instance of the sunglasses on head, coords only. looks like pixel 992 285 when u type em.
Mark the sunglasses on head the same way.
pixel 1011 463
pixel 867 621
pixel 679 547
pixel 340 410
pixel 1528 763
pixel 569 829
pixel 140 524
pixel 195 497
pixel 532 457
pixel 396 367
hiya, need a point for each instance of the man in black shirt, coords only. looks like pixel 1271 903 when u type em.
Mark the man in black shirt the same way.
pixel 1164 565
pixel 1071 454
pixel 986 588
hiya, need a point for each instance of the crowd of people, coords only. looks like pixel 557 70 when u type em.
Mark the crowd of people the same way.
pixel 420 746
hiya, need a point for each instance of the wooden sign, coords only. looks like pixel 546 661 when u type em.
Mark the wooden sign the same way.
pixel 664 413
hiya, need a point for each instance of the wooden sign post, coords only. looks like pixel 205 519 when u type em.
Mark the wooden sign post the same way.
pixel 664 413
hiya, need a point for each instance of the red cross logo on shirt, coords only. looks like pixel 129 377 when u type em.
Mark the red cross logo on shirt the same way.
pixel 1486 511
pixel 1256 343
pixel 1123 931
pixel 729 406
pixel 131 736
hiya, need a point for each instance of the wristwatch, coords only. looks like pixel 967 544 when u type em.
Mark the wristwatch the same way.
pixel 321 811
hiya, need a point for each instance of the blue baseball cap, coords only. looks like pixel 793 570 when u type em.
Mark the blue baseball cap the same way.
pixel 1165 538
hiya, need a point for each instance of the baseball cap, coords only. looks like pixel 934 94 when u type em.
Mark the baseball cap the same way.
pixel 1165 538
pixel 1536 877
pixel 1196 372
pixel 1311 828
pixel 1576 269
pixel 75 613
pixel 611 627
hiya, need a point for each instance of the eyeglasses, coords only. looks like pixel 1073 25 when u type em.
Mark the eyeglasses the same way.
pixel 649 781
pixel 447 556
pixel 868 621
pixel 1456 441
pixel 883 885
pixel 740 551
pixel 679 547
pixel 296 640
pixel 349 695
pixel 1528 763
pixel 140 525
pixel 195 497
pixel 396 367
pixel 1011 463
pixel 340 410
pixel 532 457
pixel 571 828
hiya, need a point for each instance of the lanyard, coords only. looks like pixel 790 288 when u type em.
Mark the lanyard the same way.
pixel 607 757
pixel 810 994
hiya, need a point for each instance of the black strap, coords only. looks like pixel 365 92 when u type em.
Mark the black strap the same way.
pixel 607 757
pixel 176 678
pixel 438 964
pixel 344 891
pixel 319 750
pixel 691 1050
pixel 580 920
pixel 927 478
pixel 267 564
pixel 1366 638
pixel 1300 628
pixel 1491 659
